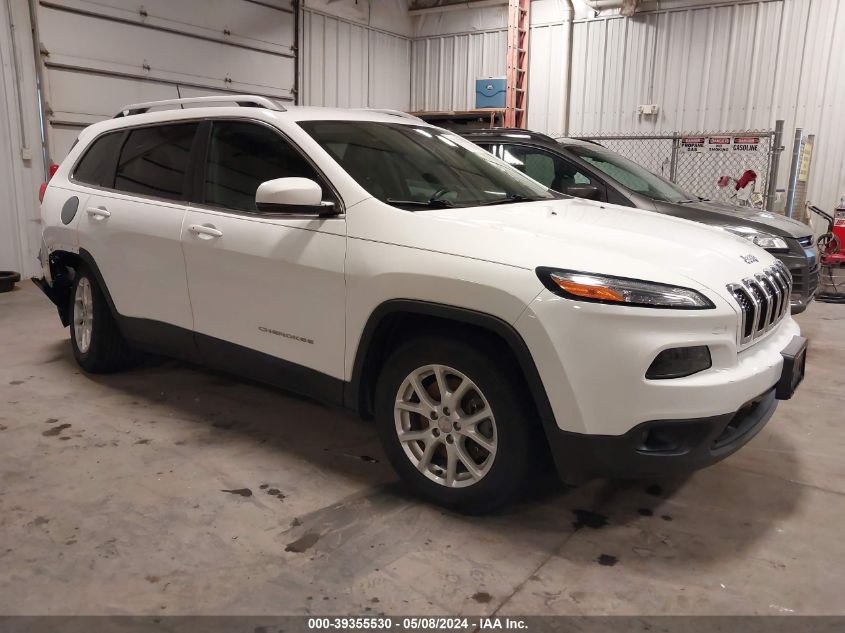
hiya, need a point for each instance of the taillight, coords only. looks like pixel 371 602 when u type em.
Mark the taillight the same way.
pixel 43 188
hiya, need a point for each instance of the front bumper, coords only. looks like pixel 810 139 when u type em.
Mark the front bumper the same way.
pixel 593 358
pixel 662 447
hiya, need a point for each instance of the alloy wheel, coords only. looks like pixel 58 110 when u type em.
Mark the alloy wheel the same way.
pixel 83 315
pixel 446 426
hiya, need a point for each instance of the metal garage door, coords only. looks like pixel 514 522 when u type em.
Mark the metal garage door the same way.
pixel 99 56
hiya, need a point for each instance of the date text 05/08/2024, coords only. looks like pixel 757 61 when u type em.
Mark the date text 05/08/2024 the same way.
pixel 417 623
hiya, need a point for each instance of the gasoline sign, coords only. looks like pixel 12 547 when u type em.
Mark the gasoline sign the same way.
pixel 746 144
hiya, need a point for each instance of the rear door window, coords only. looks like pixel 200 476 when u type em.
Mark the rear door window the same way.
pixel 155 159
pixel 546 168
pixel 241 156
pixel 98 164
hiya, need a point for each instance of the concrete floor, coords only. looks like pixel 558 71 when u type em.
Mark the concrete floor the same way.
pixel 173 490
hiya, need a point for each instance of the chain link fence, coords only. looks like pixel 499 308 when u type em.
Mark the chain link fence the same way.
pixel 696 161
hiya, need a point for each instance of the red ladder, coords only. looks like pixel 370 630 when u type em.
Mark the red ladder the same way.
pixel 516 94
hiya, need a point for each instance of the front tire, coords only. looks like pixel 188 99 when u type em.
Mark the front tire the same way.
pixel 455 424
pixel 97 343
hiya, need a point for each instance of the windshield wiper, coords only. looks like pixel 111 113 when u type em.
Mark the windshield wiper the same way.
pixel 440 203
pixel 514 197
pixel 434 203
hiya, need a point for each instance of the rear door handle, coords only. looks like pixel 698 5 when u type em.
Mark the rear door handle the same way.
pixel 205 231
pixel 98 212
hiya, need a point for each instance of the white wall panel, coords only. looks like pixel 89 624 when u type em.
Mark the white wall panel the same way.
pixel 102 55
pixel 255 24
pixel 390 71
pixel 85 42
pixel 547 94
pixel 384 15
pixel 21 165
pixel 351 65
pixel 444 69
pixel 491 18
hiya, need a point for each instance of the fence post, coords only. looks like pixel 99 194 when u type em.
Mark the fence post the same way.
pixel 774 163
pixel 794 167
pixel 673 160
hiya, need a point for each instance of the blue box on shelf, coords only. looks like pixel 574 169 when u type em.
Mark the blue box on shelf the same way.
pixel 490 92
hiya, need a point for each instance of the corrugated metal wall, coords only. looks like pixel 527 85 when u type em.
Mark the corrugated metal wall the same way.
pixel 707 68
pixel 352 65
pixel 812 93
pixel 444 69
pixel 547 95
pixel 731 66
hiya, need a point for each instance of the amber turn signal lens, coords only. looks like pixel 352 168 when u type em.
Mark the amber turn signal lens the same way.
pixel 588 292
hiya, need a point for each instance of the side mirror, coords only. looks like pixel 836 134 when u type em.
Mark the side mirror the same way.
pixel 292 196
pixel 590 192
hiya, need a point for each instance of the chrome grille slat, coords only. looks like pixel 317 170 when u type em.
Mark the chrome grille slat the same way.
pixel 788 276
pixel 756 299
pixel 780 283
pixel 763 301
pixel 771 300
pixel 770 275
pixel 784 282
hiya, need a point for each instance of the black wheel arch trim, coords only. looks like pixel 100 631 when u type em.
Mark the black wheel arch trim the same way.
pixel 59 291
pixel 88 260
pixel 355 394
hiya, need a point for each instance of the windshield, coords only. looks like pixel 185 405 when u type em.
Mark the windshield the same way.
pixel 410 166
pixel 630 175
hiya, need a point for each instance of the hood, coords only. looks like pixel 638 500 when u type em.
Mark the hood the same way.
pixel 723 214
pixel 580 235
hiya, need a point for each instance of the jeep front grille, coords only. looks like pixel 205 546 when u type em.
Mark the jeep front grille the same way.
pixel 763 301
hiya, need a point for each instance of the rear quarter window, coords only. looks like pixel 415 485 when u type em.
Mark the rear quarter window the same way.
pixel 154 160
pixel 97 164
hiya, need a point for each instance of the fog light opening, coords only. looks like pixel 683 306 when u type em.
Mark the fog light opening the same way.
pixel 655 441
pixel 679 362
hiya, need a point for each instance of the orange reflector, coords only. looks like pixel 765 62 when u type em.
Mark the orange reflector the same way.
pixel 589 292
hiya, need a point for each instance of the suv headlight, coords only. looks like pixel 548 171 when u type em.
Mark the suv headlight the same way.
pixel 582 286
pixel 763 240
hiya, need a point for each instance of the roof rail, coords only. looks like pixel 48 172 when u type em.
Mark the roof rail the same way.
pixel 494 131
pixel 581 139
pixel 245 101
pixel 398 113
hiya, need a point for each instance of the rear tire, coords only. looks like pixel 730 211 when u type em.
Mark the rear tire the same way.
pixel 470 451
pixel 97 343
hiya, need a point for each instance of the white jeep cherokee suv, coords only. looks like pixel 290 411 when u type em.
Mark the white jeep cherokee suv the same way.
pixel 379 263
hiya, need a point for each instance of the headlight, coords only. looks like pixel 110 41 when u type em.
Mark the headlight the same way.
pixel 620 290
pixel 763 240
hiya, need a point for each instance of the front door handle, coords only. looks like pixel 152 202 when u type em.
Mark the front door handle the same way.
pixel 98 213
pixel 204 231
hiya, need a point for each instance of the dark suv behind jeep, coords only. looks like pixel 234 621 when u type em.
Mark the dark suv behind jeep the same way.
pixel 588 170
